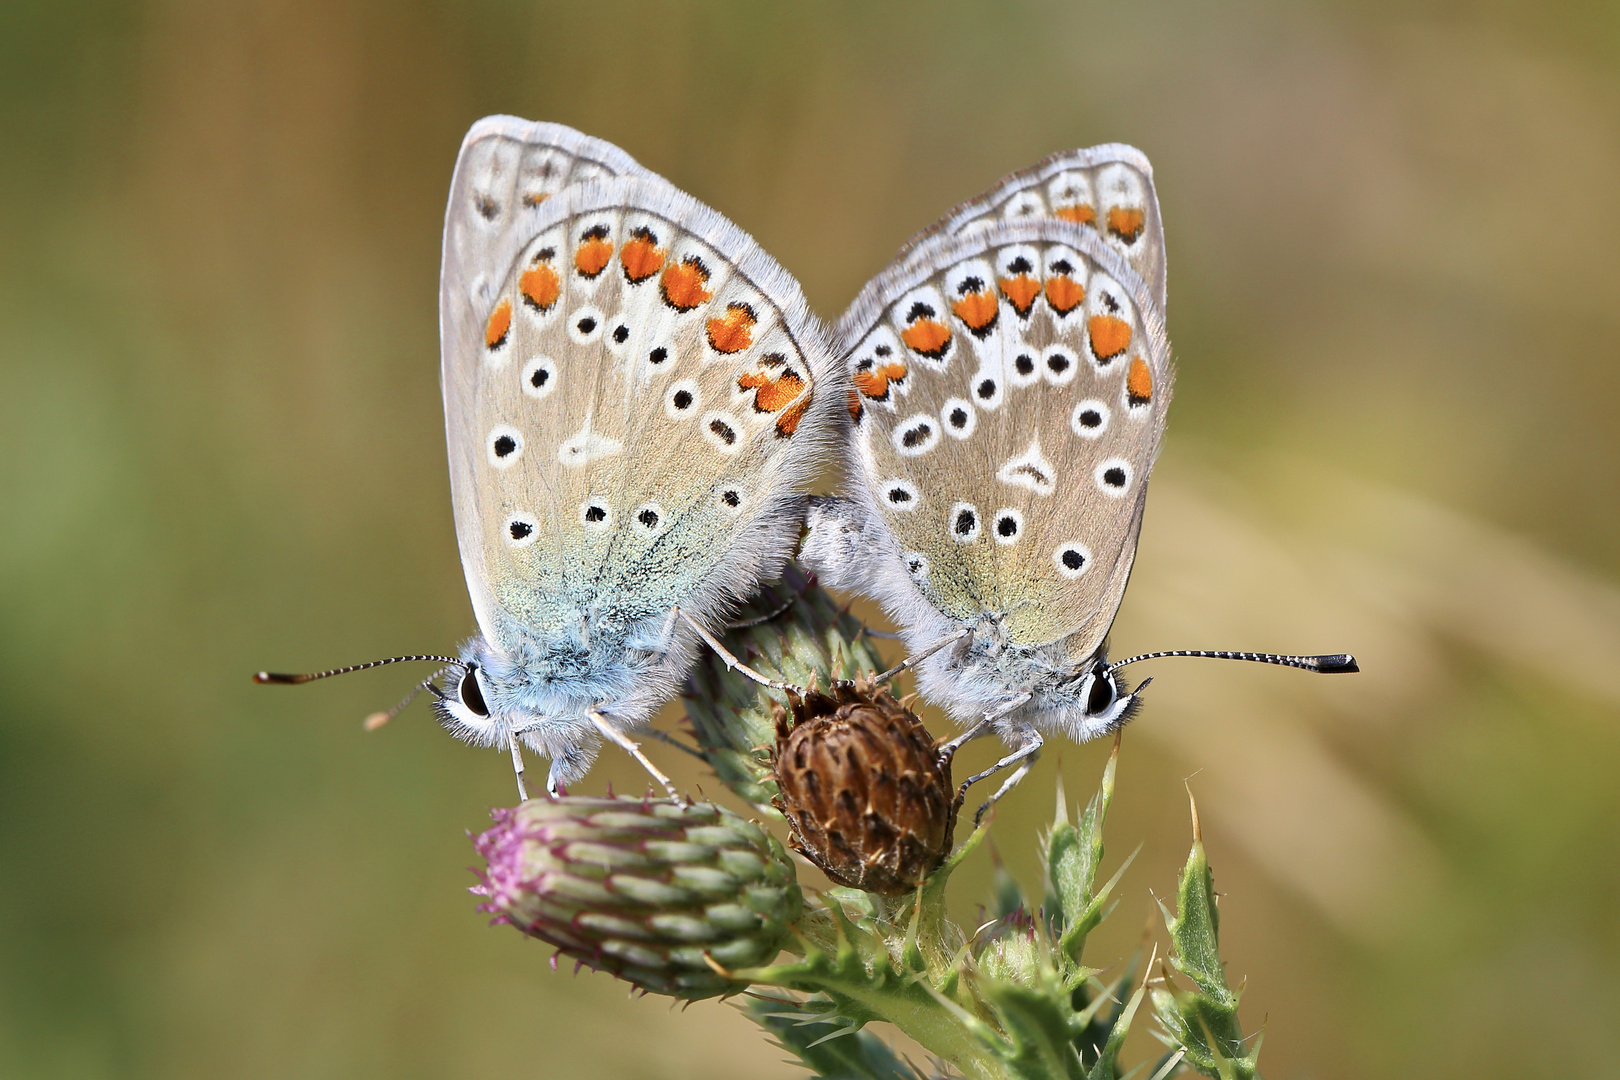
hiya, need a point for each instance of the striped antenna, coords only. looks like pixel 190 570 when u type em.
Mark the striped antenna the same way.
pixel 1327 664
pixel 280 679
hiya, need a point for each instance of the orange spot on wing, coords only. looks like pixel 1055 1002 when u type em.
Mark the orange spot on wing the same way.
pixel 641 256
pixel 683 284
pixel 500 322
pixel 539 286
pixel 1021 291
pixel 535 198
pixel 592 254
pixel 927 337
pixel 1126 222
pixel 733 331
pixel 977 309
pixel 855 406
pixel 1064 293
pixel 1139 383
pixel 1080 214
pixel 770 395
pixel 874 382
pixel 788 422
pixel 1110 336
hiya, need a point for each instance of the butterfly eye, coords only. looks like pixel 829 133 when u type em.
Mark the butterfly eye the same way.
pixel 1102 693
pixel 470 693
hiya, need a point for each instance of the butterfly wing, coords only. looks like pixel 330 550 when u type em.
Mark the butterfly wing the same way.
pixel 1107 189
pixel 1010 389
pixel 630 398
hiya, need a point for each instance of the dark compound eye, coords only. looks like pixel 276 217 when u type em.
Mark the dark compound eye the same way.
pixel 658 355
pixel 1090 418
pixel 1102 693
pixel 538 378
pixel 1025 363
pixel 471 694
pixel 621 333
pixel 986 389
pixel 504 445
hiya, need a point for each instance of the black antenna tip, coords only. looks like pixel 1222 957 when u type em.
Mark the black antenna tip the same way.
pixel 1336 663
pixel 263 677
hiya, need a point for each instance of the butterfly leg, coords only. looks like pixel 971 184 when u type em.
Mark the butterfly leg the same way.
pixel 948 750
pixel 913 661
pixel 632 748
pixel 517 768
pixel 1024 758
pixel 731 661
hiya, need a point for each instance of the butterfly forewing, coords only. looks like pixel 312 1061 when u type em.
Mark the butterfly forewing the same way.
pixel 1010 391
pixel 628 380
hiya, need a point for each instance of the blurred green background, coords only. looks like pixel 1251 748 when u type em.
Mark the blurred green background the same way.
pixel 1394 250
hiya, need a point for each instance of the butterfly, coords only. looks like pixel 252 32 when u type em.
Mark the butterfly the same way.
pixel 1010 379
pixel 636 397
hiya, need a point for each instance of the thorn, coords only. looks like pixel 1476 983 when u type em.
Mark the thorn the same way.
pixel 1198 832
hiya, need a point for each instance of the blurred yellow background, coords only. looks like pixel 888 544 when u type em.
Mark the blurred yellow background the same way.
pixel 1394 250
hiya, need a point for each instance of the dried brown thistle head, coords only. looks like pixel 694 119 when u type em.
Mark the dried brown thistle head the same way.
pixel 867 795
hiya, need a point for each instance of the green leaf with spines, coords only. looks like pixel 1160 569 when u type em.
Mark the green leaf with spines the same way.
pixel 1202 1022
pixel 803 1031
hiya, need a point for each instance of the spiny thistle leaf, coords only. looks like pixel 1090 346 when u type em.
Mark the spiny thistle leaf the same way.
pixel 804 1033
pixel 1072 858
pixel 1203 1023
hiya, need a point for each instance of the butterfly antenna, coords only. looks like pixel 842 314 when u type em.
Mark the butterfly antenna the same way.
pixel 1327 664
pixel 378 719
pixel 282 679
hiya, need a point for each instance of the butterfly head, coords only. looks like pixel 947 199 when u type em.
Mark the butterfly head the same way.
pixel 462 705
pixel 1102 701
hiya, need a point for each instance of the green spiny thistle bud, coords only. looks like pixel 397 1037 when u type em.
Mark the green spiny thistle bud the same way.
pixel 801 634
pixel 866 794
pixel 656 892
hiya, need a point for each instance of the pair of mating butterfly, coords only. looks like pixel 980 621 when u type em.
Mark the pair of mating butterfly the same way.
pixel 636 398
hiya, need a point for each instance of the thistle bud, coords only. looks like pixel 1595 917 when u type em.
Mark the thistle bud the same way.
pixel 648 890
pixel 867 795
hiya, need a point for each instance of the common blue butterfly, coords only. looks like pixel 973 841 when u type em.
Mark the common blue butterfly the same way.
pixel 1010 379
pixel 636 397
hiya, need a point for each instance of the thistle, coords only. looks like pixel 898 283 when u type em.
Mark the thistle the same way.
pixel 693 901
pixel 660 893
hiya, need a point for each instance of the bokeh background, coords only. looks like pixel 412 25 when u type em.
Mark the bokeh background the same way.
pixel 1394 249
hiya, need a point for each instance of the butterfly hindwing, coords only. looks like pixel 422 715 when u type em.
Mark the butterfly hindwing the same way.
pixel 1010 391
